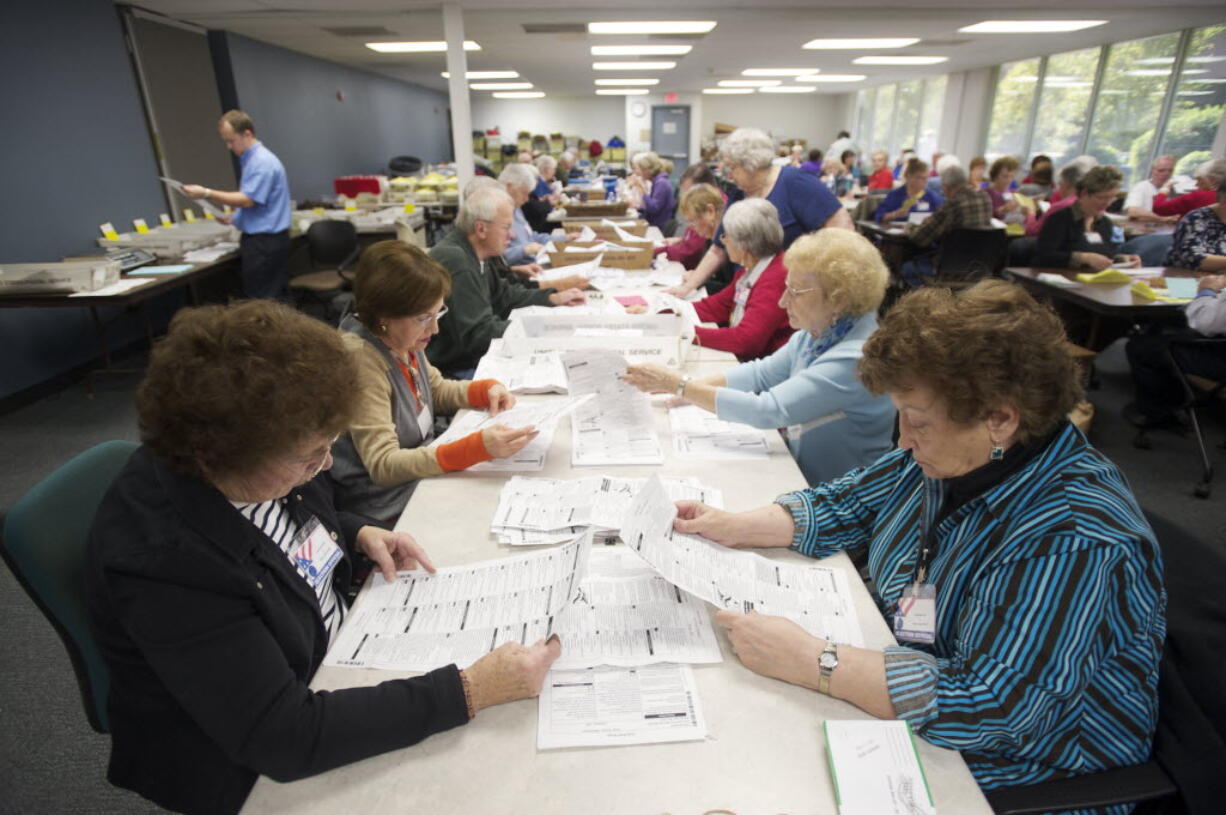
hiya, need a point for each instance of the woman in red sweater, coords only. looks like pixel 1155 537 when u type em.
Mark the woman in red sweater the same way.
pixel 1208 176
pixel 751 322
pixel 882 178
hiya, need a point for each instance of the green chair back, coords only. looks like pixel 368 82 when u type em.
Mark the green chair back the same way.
pixel 44 542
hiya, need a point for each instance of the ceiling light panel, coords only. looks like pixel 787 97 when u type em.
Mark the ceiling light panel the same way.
pixel 641 50
pixel 652 27
pixel 898 60
pixel 832 78
pixel 726 91
pixel 780 71
pixel 789 89
pixel 859 43
pixel 518 94
pixel 748 83
pixel 625 82
pixel 433 46
pixel 486 75
pixel 663 65
pixel 500 86
pixel 1030 26
pixel 621 91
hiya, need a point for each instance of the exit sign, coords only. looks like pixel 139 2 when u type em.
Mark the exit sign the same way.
pixel 670 98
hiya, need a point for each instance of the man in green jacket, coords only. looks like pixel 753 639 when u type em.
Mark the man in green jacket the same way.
pixel 480 300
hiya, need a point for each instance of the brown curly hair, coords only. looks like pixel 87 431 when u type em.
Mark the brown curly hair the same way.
pixel 230 387
pixel 396 279
pixel 983 347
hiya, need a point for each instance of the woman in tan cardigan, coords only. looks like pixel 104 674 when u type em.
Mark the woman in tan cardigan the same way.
pixel 398 297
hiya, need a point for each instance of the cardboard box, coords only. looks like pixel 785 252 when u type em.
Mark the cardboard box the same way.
pixel 617 259
pixel 605 233
pixel 599 209
pixel 524 140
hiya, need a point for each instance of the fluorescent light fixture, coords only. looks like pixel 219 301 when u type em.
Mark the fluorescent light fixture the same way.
pixel 433 46
pixel 621 91
pixel 1163 71
pixel 859 43
pixel 640 50
pixel 663 65
pixel 898 60
pixel 727 91
pixel 518 94
pixel 652 27
pixel 1193 93
pixel 1023 79
pixel 486 75
pixel 1029 26
pixel 500 86
pixel 832 78
pixel 748 83
pixel 1057 83
pixel 1206 81
pixel 780 71
pixel 621 83
pixel 789 89
pixel 1171 60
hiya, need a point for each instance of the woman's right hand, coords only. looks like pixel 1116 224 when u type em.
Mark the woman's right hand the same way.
pixel 770 526
pixel 501 441
pixel 683 291
pixel 511 672
pixel 1095 261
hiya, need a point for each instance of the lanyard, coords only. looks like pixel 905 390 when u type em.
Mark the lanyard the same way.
pixel 933 497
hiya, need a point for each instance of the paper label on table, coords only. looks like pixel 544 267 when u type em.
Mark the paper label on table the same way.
pixel 189 215
pixel 177 268
pixel 817 598
pixel 351 206
pixel 122 286
pixel 876 768
pixel 209 215
pixel 166 222
pixel 611 706
pixel 141 226
pixel 108 232
pixel 409 209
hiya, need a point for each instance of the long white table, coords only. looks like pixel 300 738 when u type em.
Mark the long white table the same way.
pixel 765 752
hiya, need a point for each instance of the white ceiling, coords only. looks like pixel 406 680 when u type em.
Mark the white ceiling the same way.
pixel 749 34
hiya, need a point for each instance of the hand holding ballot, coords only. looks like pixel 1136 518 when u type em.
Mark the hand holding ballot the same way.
pixel 773 646
pixel 392 551
pixel 503 442
pixel 511 672
pixel 568 297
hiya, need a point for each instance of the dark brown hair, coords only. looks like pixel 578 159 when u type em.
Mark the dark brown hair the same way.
pixel 978 349
pixel 238 121
pixel 231 387
pixel 915 166
pixel 1004 164
pixel 396 279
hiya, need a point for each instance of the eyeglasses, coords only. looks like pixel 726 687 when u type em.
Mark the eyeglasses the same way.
pixel 505 225
pixel 793 292
pixel 426 319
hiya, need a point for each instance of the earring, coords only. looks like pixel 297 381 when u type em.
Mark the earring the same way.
pixel 997 452
pixel 383 328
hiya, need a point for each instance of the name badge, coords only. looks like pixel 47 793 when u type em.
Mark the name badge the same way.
pixel 742 295
pixel 916 617
pixel 425 421
pixel 922 206
pixel 314 553
pixel 1093 237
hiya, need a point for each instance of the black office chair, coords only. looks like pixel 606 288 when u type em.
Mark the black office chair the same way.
pixel 969 254
pixel 1189 758
pixel 333 248
pixel 404 165
pixel 1198 392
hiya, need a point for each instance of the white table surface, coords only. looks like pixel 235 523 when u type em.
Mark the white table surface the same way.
pixel 764 753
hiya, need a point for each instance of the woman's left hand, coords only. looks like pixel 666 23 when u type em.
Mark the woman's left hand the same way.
pixel 773 646
pixel 391 551
pixel 652 378
pixel 500 398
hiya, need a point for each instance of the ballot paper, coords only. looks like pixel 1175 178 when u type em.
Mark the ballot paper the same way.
pixel 587 234
pixel 593 370
pixel 817 598
pixel 608 222
pixel 659 302
pixel 203 203
pixel 534 373
pixel 625 614
pixel 421 621
pixel 626 237
pixel 876 768
pixel 617 426
pixel 612 706
pixel 588 269
pixel 121 286
pixel 700 434
pixel 1061 281
pixel 210 253
pixel 541 415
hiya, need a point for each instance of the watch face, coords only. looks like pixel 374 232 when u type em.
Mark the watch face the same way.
pixel 828 660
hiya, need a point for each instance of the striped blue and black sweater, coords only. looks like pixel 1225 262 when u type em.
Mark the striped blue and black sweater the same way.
pixel 1050 608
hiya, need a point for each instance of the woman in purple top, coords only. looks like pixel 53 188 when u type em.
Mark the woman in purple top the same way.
pixel 814 164
pixel 803 202
pixel 652 181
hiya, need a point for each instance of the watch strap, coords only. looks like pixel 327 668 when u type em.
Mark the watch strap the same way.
pixel 824 672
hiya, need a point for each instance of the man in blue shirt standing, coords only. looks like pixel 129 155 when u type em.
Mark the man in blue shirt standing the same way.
pixel 262 204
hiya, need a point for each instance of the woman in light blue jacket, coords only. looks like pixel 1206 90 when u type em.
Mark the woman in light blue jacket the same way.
pixel 808 388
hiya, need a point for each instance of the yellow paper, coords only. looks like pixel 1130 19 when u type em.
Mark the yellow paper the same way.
pixel 1105 276
pixel 1025 201
pixel 351 206
pixel 409 209
pixel 141 226
pixel 209 215
pixel 318 210
pixel 166 222
pixel 108 232
pixel 189 215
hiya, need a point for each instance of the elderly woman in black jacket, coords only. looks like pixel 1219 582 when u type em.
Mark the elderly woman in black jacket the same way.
pixel 1081 236
pixel 218 567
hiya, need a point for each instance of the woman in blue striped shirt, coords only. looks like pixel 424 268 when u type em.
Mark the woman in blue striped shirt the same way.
pixel 1022 581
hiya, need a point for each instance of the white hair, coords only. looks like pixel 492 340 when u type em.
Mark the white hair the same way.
pixel 479 181
pixel 947 160
pixel 747 148
pixel 753 224
pixel 482 205
pixel 1213 170
pixel 568 158
pixel 953 175
pixel 518 175
pixel 546 162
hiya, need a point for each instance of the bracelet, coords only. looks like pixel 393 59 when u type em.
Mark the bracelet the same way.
pixel 207 193
pixel 468 694
pixel 685 380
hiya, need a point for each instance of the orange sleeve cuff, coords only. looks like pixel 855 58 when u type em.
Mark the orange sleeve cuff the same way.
pixel 462 453
pixel 479 392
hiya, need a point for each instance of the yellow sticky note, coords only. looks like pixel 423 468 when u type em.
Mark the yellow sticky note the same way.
pixel 1105 276
pixel 141 226
pixel 351 206
pixel 209 215
pixel 189 215
pixel 409 209
pixel 318 210
pixel 108 232
pixel 165 219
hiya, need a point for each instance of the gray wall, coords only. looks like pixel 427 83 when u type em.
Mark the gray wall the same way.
pixel 293 100
pixel 76 153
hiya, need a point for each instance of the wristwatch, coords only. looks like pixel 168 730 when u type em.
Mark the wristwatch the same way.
pixel 827 661
pixel 685 380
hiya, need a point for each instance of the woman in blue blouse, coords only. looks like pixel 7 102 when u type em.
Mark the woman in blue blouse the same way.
pixel 804 204
pixel 912 196
pixel 835 282
pixel 1023 583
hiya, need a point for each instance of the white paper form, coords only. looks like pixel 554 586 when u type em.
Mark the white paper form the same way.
pixel 534 373
pixel 817 598
pixel 611 706
pixel 625 614
pixel 459 614
pixel 876 768
pixel 121 286
pixel 617 426
pixel 203 203
pixel 589 270
pixel 542 415
pixel 700 434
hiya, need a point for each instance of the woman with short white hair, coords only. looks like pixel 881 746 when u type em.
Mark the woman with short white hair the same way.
pixel 751 322
pixel 525 245
pixel 803 203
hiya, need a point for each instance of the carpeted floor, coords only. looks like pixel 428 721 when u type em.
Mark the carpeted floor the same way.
pixel 51 762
